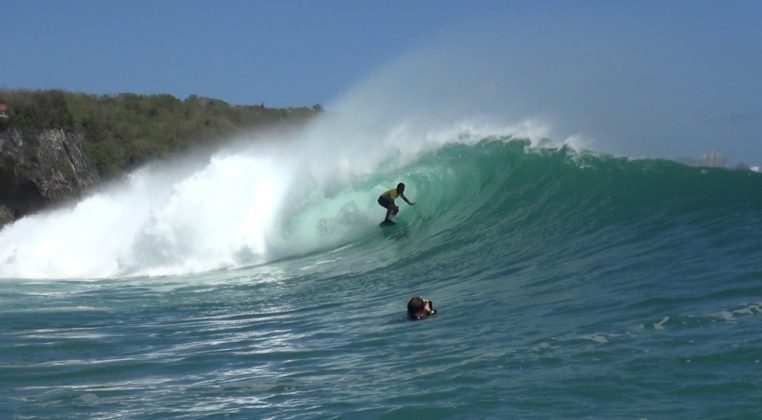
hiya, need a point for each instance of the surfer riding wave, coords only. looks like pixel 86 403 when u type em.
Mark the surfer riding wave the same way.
pixel 386 200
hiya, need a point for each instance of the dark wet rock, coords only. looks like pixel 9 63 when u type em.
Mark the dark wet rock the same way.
pixel 40 169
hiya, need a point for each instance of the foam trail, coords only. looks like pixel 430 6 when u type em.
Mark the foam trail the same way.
pixel 157 223
pixel 216 217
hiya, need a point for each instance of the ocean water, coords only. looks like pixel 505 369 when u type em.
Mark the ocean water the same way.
pixel 568 284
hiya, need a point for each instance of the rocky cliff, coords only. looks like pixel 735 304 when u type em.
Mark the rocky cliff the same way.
pixel 41 168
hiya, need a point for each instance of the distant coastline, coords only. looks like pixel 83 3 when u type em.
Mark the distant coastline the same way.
pixel 55 145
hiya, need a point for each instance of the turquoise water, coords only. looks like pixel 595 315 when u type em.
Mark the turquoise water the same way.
pixel 567 285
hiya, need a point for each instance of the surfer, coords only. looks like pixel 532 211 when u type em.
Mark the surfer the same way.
pixel 419 307
pixel 386 200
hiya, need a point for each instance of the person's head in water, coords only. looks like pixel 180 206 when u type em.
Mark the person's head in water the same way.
pixel 419 308
pixel 400 187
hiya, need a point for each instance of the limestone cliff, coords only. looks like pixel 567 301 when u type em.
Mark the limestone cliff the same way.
pixel 39 169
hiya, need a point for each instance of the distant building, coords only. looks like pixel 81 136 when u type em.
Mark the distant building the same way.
pixel 713 160
pixel 709 160
pixel 4 117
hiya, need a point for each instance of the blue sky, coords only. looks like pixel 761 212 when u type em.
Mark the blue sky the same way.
pixel 664 78
pixel 280 52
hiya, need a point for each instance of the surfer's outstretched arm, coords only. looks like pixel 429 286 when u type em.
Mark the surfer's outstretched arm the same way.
pixel 412 203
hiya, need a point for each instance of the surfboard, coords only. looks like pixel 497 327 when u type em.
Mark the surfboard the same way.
pixel 387 223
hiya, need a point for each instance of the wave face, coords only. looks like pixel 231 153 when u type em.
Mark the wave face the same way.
pixel 568 284
pixel 252 207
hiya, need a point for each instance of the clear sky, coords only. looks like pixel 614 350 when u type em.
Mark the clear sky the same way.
pixel 280 52
pixel 667 78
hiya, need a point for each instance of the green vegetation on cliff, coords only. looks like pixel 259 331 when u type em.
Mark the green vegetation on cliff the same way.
pixel 126 130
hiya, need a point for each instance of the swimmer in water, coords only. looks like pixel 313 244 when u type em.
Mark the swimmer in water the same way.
pixel 419 307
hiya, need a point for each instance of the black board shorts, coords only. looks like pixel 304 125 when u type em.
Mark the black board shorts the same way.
pixel 385 202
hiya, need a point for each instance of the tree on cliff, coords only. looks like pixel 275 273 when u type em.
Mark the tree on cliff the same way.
pixel 125 130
